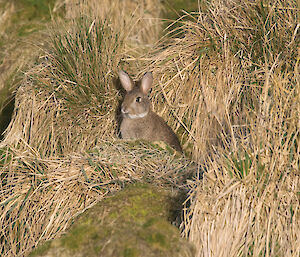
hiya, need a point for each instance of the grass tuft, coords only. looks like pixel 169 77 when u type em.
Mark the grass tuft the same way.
pixel 40 196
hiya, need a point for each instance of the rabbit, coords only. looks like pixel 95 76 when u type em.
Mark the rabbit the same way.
pixel 139 121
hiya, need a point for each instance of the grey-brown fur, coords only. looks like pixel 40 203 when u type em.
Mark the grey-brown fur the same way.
pixel 139 121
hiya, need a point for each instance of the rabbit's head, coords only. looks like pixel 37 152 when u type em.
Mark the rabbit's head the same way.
pixel 136 103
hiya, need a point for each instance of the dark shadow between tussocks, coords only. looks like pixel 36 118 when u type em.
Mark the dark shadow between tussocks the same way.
pixel 6 114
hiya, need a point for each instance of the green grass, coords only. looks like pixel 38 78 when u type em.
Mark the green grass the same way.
pixel 83 59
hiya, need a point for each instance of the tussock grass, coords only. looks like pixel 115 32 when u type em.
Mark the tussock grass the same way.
pixel 248 201
pixel 69 100
pixel 230 82
pixel 220 69
pixel 22 30
pixel 66 105
pixel 62 101
pixel 39 196
pixel 140 20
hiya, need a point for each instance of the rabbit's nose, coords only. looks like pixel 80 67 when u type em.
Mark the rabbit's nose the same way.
pixel 123 110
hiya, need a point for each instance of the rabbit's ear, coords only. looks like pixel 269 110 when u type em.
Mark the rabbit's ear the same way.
pixel 146 82
pixel 126 81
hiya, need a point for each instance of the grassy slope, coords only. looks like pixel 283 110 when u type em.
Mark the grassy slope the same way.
pixel 21 22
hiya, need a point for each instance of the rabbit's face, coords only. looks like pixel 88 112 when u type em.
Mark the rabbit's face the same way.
pixel 135 104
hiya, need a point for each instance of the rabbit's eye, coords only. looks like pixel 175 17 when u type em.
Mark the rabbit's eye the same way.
pixel 138 99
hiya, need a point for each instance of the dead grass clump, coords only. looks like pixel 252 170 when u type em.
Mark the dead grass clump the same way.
pixel 231 82
pixel 20 32
pixel 237 220
pixel 39 196
pixel 218 68
pixel 248 202
pixel 69 101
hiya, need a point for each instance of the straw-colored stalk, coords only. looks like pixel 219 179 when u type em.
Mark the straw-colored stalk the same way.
pixel 70 100
pixel 231 82
pixel 229 86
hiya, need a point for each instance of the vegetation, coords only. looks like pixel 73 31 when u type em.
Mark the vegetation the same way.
pixel 21 26
pixel 43 195
pixel 136 215
pixel 226 80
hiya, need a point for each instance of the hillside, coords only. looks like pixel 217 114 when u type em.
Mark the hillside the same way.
pixel 226 80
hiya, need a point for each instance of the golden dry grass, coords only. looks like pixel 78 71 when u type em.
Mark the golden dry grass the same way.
pixel 207 77
pixel 39 196
pixel 65 105
pixel 68 102
pixel 140 20
pixel 228 84
pixel 248 201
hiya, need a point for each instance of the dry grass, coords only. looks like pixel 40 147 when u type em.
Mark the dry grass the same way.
pixel 228 85
pixel 63 102
pixel 21 32
pixel 40 196
pixel 65 105
pixel 140 20
pixel 68 102
pixel 248 201
pixel 217 72
pixel 230 82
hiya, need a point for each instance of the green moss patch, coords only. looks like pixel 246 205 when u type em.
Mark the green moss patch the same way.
pixel 139 228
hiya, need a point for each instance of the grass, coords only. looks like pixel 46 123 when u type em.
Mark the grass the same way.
pixel 21 25
pixel 76 80
pixel 231 83
pixel 88 55
pixel 32 184
pixel 226 80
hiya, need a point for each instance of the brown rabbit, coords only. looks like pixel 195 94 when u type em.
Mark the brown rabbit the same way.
pixel 139 121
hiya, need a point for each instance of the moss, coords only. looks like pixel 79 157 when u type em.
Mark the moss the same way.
pixel 30 10
pixel 173 9
pixel 176 6
pixel 29 16
pixel 130 252
pixel 133 222
pixel 41 250
pixel 79 234
pixel 36 9
pixel 155 238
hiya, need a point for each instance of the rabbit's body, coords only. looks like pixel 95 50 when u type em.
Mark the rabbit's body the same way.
pixel 139 121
